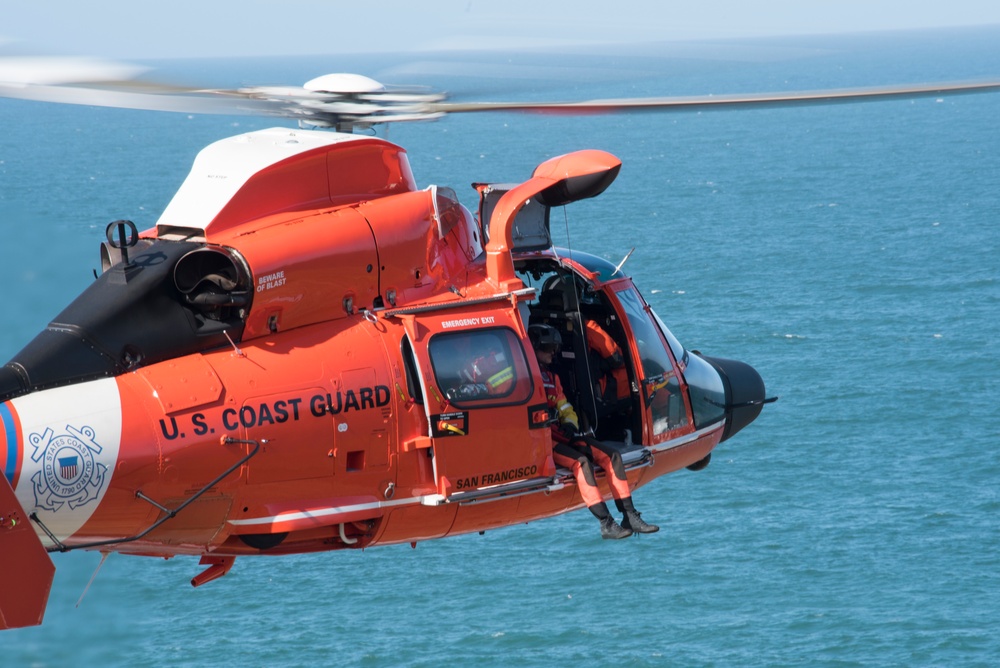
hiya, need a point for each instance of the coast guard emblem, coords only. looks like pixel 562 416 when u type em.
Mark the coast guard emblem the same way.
pixel 68 473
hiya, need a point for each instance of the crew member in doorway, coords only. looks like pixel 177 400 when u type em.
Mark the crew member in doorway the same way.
pixel 578 452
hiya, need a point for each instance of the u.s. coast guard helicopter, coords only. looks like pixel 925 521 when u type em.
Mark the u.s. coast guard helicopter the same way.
pixel 281 363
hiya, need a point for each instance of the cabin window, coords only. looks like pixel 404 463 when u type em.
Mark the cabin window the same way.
pixel 481 367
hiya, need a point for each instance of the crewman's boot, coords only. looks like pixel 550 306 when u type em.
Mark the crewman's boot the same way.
pixel 612 530
pixel 609 528
pixel 633 519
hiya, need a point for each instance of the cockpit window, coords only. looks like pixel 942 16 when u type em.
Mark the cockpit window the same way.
pixel 655 361
pixel 661 387
pixel 482 367
pixel 675 346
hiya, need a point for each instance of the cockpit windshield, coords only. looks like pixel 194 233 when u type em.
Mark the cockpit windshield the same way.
pixel 675 346
pixel 661 386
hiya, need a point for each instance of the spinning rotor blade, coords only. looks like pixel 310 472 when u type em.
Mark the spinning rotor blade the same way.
pixel 333 99
pixel 102 83
pixel 346 100
pixel 705 102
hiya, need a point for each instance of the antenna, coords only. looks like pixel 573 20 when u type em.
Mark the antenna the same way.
pixel 104 557
pixel 624 259
pixel 239 353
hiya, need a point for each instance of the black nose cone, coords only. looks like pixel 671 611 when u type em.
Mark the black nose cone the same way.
pixel 744 393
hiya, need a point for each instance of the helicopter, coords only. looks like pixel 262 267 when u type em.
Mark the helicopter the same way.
pixel 277 366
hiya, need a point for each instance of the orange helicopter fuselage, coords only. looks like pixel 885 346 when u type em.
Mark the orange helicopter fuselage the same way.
pixel 286 363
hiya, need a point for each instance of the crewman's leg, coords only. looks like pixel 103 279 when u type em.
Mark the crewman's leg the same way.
pixel 571 458
pixel 610 460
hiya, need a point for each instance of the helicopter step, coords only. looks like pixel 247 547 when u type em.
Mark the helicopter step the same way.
pixel 633 457
pixel 502 491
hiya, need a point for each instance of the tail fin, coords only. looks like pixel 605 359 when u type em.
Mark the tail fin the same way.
pixel 26 565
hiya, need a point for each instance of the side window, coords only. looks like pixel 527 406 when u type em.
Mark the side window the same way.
pixel 481 367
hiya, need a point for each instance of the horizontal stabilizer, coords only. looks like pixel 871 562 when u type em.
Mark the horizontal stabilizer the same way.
pixel 26 566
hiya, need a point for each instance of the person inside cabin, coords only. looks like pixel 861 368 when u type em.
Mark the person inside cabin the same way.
pixel 487 372
pixel 610 377
pixel 606 364
pixel 613 381
pixel 578 452
pixel 494 370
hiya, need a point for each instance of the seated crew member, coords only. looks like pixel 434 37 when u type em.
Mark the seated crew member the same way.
pixel 487 374
pixel 577 451
pixel 609 378
pixel 605 363
pixel 613 382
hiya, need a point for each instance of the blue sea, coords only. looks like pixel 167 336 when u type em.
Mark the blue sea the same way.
pixel 849 252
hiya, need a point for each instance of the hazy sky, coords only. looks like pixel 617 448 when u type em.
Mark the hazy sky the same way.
pixel 138 29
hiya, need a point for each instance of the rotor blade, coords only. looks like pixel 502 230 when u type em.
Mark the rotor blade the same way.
pixel 329 100
pixel 194 103
pixel 705 102
pixel 343 99
pixel 54 70
pixel 105 83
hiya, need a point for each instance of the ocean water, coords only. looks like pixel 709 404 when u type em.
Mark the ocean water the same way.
pixel 850 253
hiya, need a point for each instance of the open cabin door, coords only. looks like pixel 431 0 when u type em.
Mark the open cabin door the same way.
pixel 488 433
